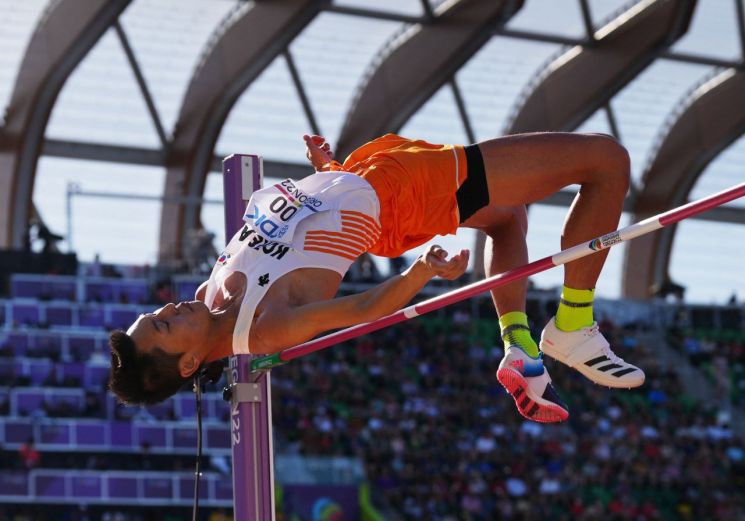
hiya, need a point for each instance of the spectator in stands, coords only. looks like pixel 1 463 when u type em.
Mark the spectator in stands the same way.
pixel 200 251
pixel 29 456
pixel 144 458
pixel 219 515
pixel 94 269
pixel 49 238
pixel 163 294
pixel 391 195
pixel 92 405
pixel 5 462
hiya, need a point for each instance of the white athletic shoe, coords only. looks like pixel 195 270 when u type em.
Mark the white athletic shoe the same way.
pixel 528 382
pixel 587 351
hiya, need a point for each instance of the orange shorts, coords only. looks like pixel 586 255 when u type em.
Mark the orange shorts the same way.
pixel 416 183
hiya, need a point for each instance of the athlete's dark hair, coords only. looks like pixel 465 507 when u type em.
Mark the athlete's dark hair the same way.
pixel 142 378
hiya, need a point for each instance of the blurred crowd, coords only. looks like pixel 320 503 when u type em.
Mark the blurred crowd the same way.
pixel 441 440
pixel 719 354
pixel 420 406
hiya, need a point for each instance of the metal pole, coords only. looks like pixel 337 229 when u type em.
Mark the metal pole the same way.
pixel 570 254
pixel 249 393
pixel 71 187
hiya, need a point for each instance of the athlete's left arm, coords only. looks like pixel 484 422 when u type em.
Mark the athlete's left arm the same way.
pixel 319 153
pixel 282 327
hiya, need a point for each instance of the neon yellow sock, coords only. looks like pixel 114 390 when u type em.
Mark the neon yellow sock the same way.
pixel 515 332
pixel 575 309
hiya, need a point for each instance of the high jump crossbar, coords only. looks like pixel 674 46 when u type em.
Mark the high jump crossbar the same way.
pixel 249 377
pixel 471 290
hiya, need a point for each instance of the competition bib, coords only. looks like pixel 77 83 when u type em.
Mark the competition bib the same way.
pixel 275 211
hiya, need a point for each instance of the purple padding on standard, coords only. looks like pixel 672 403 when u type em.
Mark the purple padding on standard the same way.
pixel 8 369
pixel 101 292
pixel 218 437
pixel 220 409
pixel 185 405
pixel 122 318
pixel 135 293
pixel 92 316
pixel 50 486
pixel 19 343
pixel 68 403
pixel 121 434
pixel 57 434
pixel 25 314
pixel 71 370
pixel 86 486
pixel 29 401
pixel 185 290
pixel 39 371
pixel 81 347
pixel 186 488
pixel 154 435
pixel 184 438
pixel 13 483
pixel 162 410
pixel 123 487
pixel 95 375
pixel 90 434
pixel 26 288
pixel 59 316
pixel 157 488
pixel 224 488
pixel 17 431
pixel 45 289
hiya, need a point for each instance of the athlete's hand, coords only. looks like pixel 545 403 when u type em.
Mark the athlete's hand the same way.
pixel 317 151
pixel 436 261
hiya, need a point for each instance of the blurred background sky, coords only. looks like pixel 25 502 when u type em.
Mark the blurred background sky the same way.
pixel 101 103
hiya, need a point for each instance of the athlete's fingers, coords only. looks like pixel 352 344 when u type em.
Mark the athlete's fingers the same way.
pixel 456 266
pixel 438 251
pixel 314 139
pixel 436 260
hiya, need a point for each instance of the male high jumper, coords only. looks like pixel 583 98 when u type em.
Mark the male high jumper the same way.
pixel 273 287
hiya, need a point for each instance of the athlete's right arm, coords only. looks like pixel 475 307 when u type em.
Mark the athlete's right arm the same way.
pixel 201 291
pixel 281 327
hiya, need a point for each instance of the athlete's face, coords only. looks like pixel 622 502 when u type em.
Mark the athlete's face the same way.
pixel 174 328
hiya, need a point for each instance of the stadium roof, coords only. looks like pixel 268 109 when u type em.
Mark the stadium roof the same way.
pixel 144 96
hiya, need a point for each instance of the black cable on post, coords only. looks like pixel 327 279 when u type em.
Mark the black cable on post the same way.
pixel 210 373
pixel 197 469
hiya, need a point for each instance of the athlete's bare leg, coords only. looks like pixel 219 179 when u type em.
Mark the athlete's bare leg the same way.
pixel 521 370
pixel 505 249
pixel 525 168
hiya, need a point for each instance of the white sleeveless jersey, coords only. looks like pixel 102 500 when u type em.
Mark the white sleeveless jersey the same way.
pixel 325 220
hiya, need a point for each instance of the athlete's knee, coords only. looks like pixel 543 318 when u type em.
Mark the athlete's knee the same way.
pixel 612 159
pixel 506 218
pixel 521 216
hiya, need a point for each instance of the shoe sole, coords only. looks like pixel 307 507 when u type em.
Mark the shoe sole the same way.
pixel 597 377
pixel 532 408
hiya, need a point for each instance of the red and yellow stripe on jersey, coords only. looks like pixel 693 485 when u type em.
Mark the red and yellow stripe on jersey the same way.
pixel 359 232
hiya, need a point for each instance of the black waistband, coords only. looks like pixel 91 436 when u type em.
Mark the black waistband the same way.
pixel 473 194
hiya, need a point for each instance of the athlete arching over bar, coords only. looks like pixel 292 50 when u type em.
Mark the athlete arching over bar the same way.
pixel 274 285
